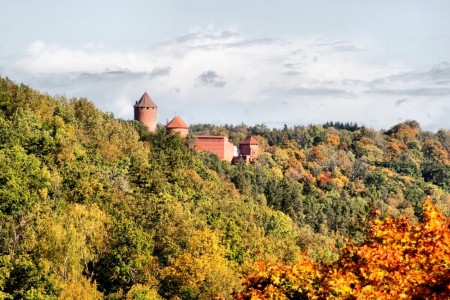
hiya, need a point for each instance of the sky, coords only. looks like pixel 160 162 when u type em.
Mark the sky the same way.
pixel 293 62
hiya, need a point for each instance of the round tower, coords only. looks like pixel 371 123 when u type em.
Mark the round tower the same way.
pixel 177 126
pixel 146 112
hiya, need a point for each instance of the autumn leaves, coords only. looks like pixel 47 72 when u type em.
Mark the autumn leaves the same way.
pixel 398 260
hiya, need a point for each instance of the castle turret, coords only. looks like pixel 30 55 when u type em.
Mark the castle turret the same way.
pixel 177 125
pixel 146 111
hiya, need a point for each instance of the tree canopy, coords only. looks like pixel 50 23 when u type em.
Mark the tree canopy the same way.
pixel 94 207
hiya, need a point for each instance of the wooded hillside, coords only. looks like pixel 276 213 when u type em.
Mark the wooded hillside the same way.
pixel 94 207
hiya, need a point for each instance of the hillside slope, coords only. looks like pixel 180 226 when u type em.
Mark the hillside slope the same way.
pixel 94 206
pixel 91 207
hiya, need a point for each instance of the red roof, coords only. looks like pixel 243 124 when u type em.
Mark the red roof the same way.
pixel 249 140
pixel 177 122
pixel 145 101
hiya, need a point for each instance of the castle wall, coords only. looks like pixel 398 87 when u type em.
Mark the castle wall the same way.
pixel 216 144
pixel 229 151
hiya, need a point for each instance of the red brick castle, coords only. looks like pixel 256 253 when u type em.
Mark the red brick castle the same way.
pixel 146 111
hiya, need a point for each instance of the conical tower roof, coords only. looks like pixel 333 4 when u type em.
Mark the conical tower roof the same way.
pixel 145 101
pixel 177 122
pixel 249 140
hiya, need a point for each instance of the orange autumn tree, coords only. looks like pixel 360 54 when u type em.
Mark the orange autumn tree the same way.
pixel 398 260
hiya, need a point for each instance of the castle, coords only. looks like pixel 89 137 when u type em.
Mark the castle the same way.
pixel 146 112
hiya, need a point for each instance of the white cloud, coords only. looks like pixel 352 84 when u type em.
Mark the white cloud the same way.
pixel 224 76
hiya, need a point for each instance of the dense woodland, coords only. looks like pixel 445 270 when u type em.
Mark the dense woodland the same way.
pixel 93 207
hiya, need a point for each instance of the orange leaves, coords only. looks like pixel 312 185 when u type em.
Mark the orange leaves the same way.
pixel 398 260
pixel 337 179
pixel 394 148
pixel 333 139
pixel 277 281
pixel 323 179
pixel 434 220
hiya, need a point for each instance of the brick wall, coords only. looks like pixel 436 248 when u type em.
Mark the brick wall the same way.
pixel 183 132
pixel 249 150
pixel 148 116
pixel 216 144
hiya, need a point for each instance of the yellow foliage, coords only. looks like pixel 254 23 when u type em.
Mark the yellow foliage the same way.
pixel 388 172
pixel 65 135
pixel 340 181
pixel 277 172
pixel 202 270
pixel 70 239
pixel 142 292
pixel 80 289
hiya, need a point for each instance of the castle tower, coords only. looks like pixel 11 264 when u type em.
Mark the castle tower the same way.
pixel 177 125
pixel 146 111
pixel 249 147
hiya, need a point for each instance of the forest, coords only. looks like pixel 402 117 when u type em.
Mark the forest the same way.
pixel 95 207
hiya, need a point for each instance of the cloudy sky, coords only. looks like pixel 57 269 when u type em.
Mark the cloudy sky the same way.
pixel 290 62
